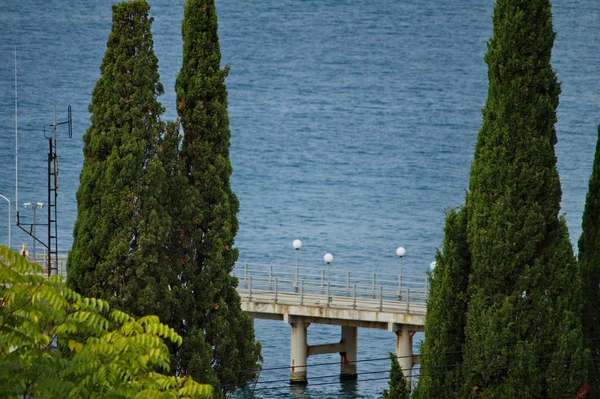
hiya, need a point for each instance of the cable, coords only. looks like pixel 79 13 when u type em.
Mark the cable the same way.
pixel 322 376
pixel 452 366
pixel 443 373
pixel 434 354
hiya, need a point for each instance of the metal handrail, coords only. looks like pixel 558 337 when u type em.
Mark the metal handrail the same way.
pixel 321 287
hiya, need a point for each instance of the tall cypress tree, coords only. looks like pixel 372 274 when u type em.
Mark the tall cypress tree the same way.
pixel 441 352
pixel 123 220
pixel 589 264
pixel 523 334
pixel 398 385
pixel 208 218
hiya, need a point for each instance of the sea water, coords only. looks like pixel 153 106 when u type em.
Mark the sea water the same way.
pixel 353 126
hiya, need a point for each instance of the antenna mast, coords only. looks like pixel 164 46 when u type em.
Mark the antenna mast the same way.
pixel 16 139
pixel 52 243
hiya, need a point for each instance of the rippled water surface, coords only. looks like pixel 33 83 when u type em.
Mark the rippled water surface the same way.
pixel 353 126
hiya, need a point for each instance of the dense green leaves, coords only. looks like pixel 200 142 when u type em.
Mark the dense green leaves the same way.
pixel 524 287
pixel 122 223
pixel 589 263
pixel 109 354
pixel 156 215
pixel 208 223
pixel 398 385
pixel 441 353
pixel 522 333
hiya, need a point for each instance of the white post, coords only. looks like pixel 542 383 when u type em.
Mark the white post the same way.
pixel 297 244
pixel 34 235
pixel 400 252
pixel 298 351
pixel 404 351
pixel 9 227
pixel 349 357
pixel 16 139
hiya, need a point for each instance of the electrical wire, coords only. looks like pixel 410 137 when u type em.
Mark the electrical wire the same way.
pixel 451 367
pixel 522 344
pixel 443 373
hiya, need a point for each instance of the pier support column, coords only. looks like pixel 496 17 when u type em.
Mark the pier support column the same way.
pixel 404 351
pixel 348 358
pixel 298 349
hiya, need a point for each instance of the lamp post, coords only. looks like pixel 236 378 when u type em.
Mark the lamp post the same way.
pixel 328 258
pixel 432 265
pixel 34 207
pixel 400 252
pixel 297 244
pixel 9 231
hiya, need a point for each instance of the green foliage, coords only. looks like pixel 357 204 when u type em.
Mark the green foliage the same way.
pixel 156 215
pixel 109 354
pixel 589 264
pixel 441 352
pixel 218 336
pixel 521 332
pixel 524 287
pixel 123 219
pixel 398 385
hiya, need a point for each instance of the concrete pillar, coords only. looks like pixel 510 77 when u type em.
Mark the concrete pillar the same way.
pixel 348 358
pixel 404 351
pixel 298 351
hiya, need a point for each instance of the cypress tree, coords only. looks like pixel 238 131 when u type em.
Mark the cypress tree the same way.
pixel 398 386
pixel 523 335
pixel 441 352
pixel 123 221
pixel 589 264
pixel 214 322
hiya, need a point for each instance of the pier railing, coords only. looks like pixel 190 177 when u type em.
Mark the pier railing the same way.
pixel 42 260
pixel 325 287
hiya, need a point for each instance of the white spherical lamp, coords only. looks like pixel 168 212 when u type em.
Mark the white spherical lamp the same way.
pixel 432 265
pixel 297 244
pixel 328 258
pixel 400 251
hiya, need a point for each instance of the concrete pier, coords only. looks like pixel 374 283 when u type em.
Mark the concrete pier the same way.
pixel 348 357
pixel 298 351
pixel 404 341
pixel 302 299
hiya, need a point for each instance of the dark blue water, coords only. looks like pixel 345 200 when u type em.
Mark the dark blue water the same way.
pixel 353 125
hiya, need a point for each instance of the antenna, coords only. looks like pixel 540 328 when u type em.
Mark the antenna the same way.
pixel 52 244
pixel 16 139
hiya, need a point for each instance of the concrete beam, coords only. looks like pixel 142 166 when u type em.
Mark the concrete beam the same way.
pixel 404 351
pixel 298 352
pixel 349 356
pixel 337 316
pixel 325 348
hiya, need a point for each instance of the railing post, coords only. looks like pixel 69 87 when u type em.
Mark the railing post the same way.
pixel 328 293
pixel 270 277
pixel 373 286
pixel 322 281
pixel 348 283
pixel 400 287
pixel 250 291
pixel 354 297
pixel 408 300
pixel 301 292
pixel 380 297
pixel 276 286
pixel 296 280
